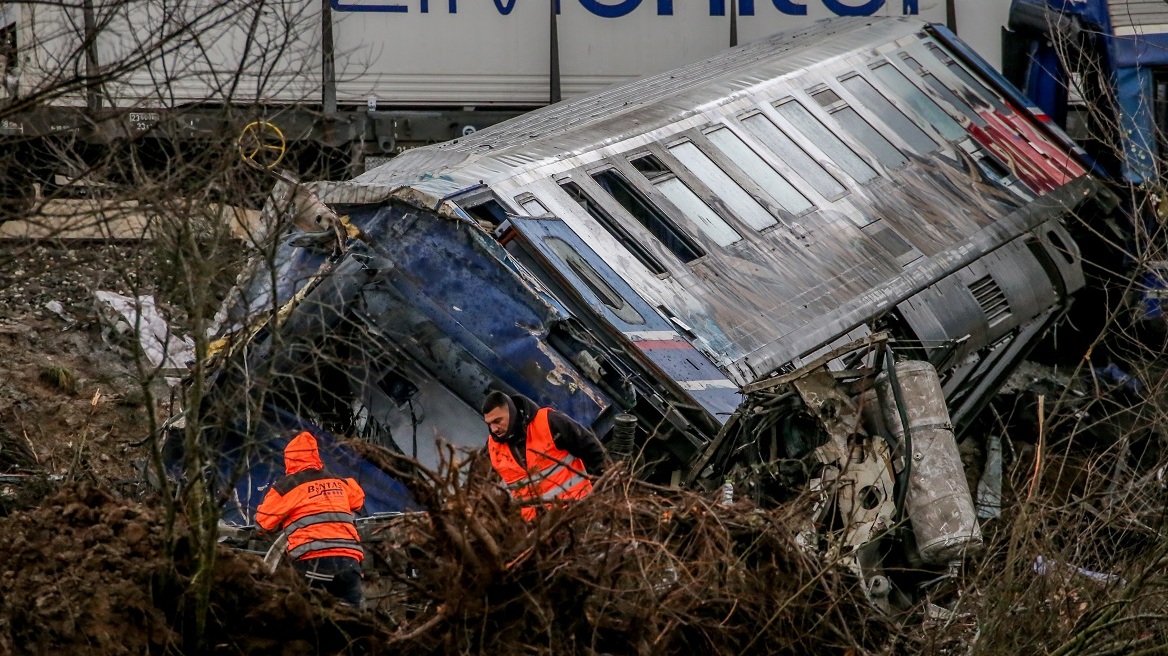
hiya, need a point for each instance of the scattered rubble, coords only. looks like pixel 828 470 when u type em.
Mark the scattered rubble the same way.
pixel 140 318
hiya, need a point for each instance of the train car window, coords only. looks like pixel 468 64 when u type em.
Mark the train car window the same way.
pixel 614 228
pixel 532 206
pixel 945 92
pixel 822 137
pixel 923 105
pixel 647 214
pixel 489 213
pixel 891 241
pixel 1160 108
pixel 691 205
pixel 862 130
pixel 788 151
pixel 595 282
pixel 723 186
pixel 869 97
pixel 758 170
pixel 965 76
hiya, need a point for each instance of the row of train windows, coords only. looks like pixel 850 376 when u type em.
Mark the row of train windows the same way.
pixel 725 156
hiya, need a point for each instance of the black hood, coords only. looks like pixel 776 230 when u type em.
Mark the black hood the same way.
pixel 522 411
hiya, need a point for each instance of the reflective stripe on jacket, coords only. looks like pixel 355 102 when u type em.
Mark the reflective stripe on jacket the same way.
pixel 551 473
pixel 313 506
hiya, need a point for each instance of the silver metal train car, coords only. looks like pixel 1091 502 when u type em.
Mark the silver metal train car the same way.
pixel 683 249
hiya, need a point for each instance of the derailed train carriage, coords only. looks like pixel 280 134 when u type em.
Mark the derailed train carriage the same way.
pixel 717 268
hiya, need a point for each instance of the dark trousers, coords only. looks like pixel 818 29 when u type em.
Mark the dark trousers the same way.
pixel 340 576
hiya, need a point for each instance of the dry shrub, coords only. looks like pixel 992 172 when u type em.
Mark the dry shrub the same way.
pixel 1077 562
pixel 632 569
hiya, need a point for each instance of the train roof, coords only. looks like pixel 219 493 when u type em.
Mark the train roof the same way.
pixel 565 129
pixel 974 180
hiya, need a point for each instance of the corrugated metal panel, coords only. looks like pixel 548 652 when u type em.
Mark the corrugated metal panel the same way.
pixel 1130 17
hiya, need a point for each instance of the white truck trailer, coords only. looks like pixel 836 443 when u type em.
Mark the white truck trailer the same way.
pixel 368 77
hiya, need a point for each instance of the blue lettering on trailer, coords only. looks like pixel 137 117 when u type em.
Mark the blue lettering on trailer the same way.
pixel 842 9
pixel 790 8
pixel 621 8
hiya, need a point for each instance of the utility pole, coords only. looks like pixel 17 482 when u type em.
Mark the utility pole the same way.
pixel 951 15
pixel 92 69
pixel 328 64
pixel 554 63
pixel 733 23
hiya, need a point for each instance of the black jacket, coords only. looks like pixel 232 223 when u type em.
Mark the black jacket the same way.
pixel 567 434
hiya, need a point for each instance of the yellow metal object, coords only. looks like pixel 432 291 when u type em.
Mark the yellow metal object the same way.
pixel 216 346
pixel 261 145
pixel 350 229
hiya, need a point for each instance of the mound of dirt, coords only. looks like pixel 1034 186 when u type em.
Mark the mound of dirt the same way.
pixel 89 573
pixel 71 403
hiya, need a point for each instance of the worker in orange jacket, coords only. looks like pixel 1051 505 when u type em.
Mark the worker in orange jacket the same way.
pixel 540 453
pixel 314 508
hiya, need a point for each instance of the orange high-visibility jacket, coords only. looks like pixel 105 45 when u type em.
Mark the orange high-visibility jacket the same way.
pixel 552 472
pixel 312 505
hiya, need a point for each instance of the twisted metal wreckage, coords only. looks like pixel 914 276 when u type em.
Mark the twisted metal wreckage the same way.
pixel 807 262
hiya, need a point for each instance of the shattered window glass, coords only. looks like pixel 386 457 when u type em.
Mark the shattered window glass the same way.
pixel 794 156
pixel 749 161
pixel 805 122
pixel 723 186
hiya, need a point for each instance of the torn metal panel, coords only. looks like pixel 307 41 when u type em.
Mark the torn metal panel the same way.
pixel 463 294
pixel 887 500
pixel 165 350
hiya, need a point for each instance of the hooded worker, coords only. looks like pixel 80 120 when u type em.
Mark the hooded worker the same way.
pixel 314 508
pixel 538 452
